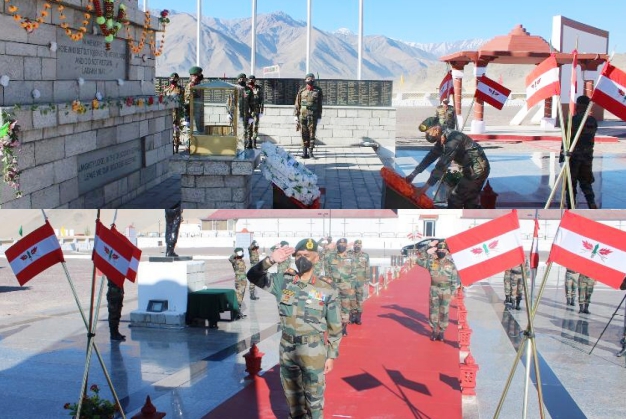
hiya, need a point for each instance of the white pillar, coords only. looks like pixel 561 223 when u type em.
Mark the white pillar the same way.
pixel 360 52
pixel 478 127
pixel 198 33
pixel 308 36
pixel 253 48
pixel 145 5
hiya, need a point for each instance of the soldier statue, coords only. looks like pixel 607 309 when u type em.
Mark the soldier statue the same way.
pixel 173 218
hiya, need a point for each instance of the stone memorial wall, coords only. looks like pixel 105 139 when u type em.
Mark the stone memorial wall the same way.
pixel 93 133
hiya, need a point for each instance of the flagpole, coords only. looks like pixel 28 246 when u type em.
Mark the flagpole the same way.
pixel 468 112
pixel 566 146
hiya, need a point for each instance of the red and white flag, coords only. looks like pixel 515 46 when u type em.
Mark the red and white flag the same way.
pixel 573 84
pixel 34 253
pixel 491 92
pixel 543 82
pixel 487 249
pixel 590 248
pixel 111 254
pixel 610 92
pixel 134 262
pixel 446 87
pixel 414 235
pixel 534 247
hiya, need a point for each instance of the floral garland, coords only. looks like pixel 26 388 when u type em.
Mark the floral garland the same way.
pixel 136 49
pixel 9 146
pixel 108 22
pixel 284 171
pixel 400 185
pixel 163 20
pixel 29 25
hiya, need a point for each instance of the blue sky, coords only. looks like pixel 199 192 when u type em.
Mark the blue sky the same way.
pixel 423 20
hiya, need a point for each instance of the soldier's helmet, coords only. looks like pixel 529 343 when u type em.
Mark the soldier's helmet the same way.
pixel 309 76
pixel 426 125
pixel 241 76
pixel 195 70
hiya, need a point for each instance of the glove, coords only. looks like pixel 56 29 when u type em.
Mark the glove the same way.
pixel 250 120
pixel 295 119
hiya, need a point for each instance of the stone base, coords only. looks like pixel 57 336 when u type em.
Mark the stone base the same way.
pixel 164 320
pixel 169 258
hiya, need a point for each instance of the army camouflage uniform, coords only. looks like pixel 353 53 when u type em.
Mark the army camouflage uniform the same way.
pixel 239 266
pixel 322 251
pixel 254 259
pixel 243 110
pixel 341 268
pixel 581 158
pixel 473 163
pixel 198 117
pixel 178 113
pixel 514 285
pixel 307 311
pixel 308 110
pixel 446 116
pixel 571 283
pixel 362 273
pixel 444 279
pixel 257 106
pixel 115 300
pixel 585 289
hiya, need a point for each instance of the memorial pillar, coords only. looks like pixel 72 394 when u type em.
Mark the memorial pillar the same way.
pixel 590 74
pixel 457 77
pixel 478 124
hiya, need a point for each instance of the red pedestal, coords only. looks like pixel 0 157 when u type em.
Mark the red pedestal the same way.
pixel 469 368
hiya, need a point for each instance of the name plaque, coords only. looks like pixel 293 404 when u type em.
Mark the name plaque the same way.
pixel 89 59
pixel 103 166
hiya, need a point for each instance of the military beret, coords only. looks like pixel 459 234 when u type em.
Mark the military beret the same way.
pixel 174 76
pixel 306 244
pixel 442 245
pixel 582 100
pixel 195 70
pixel 342 240
pixel 252 77
pixel 309 75
pixel 284 243
pixel 238 249
pixel 358 241
pixel 241 76
pixel 254 244
pixel 428 123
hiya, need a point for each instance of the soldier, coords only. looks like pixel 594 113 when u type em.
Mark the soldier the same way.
pixel 585 289
pixel 253 251
pixel 581 158
pixel 257 107
pixel 239 266
pixel 445 115
pixel 115 300
pixel 309 310
pixel 282 266
pixel 324 247
pixel 571 281
pixel 308 114
pixel 340 266
pixel 245 112
pixel 362 272
pixel 174 89
pixel 458 147
pixel 444 279
pixel 514 285
pixel 195 78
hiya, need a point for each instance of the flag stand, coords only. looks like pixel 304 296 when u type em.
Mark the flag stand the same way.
pixel 91 328
pixel 529 343
pixel 609 322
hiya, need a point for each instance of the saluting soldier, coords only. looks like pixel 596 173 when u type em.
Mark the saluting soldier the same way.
pixel 308 308
pixel 308 113
pixel 239 266
pixel 195 78
pixel 361 275
pixel 253 251
pixel 178 113
pixel 257 107
pixel 444 279
pixel 340 266
pixel 454 146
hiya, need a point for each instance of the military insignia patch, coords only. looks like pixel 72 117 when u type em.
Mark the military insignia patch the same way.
pixel 310 244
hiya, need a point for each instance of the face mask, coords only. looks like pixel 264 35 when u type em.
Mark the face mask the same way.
pixel 303 265
pixel 431 139
pixel 310 82
pixel 242 83
pixel 173 81
pixel 341 248
pixel 357 249
pixel 441 255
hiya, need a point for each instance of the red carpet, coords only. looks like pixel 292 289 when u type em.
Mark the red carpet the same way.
pixel 534 137
pixel 387 368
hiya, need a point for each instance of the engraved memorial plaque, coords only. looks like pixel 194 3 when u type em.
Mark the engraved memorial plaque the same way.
pixel 89 59
pixel 99 167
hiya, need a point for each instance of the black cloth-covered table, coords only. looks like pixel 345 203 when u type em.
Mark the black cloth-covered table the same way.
pixel 209 303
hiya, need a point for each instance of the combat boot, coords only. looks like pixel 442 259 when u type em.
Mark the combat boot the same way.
pixel 517 302
pixel 305 153
pixel 434 335
pixel 440 336
pixel 572 302
pixel 254 142
pixel 357 318
pixel 253 295
pixel 586 309
pixel 569 301
pixel 581 308
pixel 116 335
pixel 344 331
pixel 507 300
pixel 311 153
pixel 623 351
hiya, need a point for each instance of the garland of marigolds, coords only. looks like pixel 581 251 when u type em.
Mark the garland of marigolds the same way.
pixel 136 48
pixel 9 148
pixel 30 25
